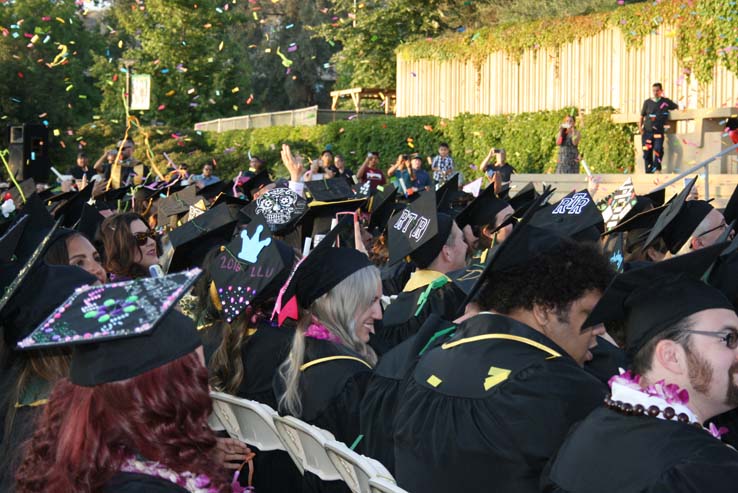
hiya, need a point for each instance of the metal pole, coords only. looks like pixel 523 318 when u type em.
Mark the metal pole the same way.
pixel 696 167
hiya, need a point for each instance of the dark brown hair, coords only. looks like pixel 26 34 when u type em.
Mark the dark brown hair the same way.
pixel 120 245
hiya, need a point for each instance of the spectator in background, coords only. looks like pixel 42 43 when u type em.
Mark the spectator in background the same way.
pixel 420 179
pixel 83 169
pixel 206 178
pixel 342 170
pixel 326 159
pixel 369 171
pixel 105 162
pixel 654 114
pixel 443 164
pixel 400 172
pixel 568 142
pixel 499 173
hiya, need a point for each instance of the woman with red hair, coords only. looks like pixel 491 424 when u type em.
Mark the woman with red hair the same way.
pixel 133 414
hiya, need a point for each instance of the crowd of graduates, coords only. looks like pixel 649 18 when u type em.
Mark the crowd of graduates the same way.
pixel 491 341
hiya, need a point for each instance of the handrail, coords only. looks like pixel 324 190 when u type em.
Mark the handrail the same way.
pixel 696 167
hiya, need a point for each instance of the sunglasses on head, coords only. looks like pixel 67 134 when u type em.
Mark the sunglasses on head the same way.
pixel 143 238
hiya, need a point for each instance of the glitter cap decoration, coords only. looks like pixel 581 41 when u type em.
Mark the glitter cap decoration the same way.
pixel 120 330
pixel 250 268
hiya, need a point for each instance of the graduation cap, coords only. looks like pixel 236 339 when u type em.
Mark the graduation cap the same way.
pixel 39 224
pixel 447 193
pixel 70 211
pixel 110 198
pixel 333 190
pixel 731 209
pixel 653 298
pixel 482 210
pixel 214 189
pixel 250 269
pixel 523 198
pixel 415 227
pixel 280 208
pixel 252 184
pixel 725 272
pixel 575 216
pixel 617 205
pixel 120 330
pixel 20 195
pixel 321 215
pixel 176 204
pixel 316 274
pixel 226 198
pixel 89 222
pixel 678 220
pixel 467 277
pixel 193 240
pixel 637 228
pixel 381 206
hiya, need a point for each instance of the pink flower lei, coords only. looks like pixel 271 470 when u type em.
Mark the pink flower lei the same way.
pixel 194 483
pixel 317 330
pixel 627 382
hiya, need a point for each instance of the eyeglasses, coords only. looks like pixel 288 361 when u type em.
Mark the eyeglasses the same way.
pixel 730 338
pixel 143 238
pixel 721 226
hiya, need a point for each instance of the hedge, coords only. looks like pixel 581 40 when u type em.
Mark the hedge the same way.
pixel 529 139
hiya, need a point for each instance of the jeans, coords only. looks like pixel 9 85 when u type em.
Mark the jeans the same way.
pixel 653 150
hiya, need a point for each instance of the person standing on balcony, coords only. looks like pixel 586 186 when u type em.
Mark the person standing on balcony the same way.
pixel 654 114
pixel 568 142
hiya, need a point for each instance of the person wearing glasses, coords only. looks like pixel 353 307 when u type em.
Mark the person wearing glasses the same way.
pixel 656 430
pixel 130 246
pixel 708 232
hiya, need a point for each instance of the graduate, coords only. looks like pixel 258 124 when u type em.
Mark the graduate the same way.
pixel 323 379
pixel 485 410
pixel 436 245
pixel 486 221
pixel 653 432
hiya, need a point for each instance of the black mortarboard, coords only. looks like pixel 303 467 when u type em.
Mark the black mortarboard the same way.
pixel 678 220
pixel 657 197
pixel 575 216
pixel 41 288
pixel 467 277
pixel 321 215
pixel 193 240
pixel 71 210
pixel 322 270
pixel 252 184
pixel 731 209
pixel 280 208
pixel 523 198
pixel 110 198
pixel 89 222
pixel 214 189
pixel 725 272
pixel 482 210
pixel 617 205
pixel 11 238
pixel 120 330
pixel 333 190
pixel 415 226
pixel 250 269
pixel 177 204
pixel 381 206
pixel 653 298
pixel 447 193
pixel 27 188
pixel 227 198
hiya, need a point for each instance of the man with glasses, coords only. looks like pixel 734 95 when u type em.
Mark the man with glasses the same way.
pixel 708 232
pixel 654 431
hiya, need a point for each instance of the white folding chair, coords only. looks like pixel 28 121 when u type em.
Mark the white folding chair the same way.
pixel 225 416
pixel 355 469
pixel 305 444
pixel 381 485
pixel 254 421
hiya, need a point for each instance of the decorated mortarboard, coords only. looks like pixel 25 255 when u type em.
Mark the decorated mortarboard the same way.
pixel 381 205
pixel 70 211
pixel 250 269
pixel 214 189
pixel 482 210
pixel 195 238
pixel 89 222
pixel 333 190
pixel 575 216
pixel 416 225
pixel 731 208
pixel 678 220
pixel 177 203
pixel 628 236
pixel 467 277
pixel 617 205
pixel 120 330
pixel 280 208
pixel 653 298
pixel 252 184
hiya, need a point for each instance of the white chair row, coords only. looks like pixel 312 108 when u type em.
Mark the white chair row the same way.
pixel 312 449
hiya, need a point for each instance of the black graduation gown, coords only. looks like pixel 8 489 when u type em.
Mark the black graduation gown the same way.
pixel 130 482
pixel 610 452
pixel 331 392
pixel 465 424
pixel 263 352
pixel 400 322
pixel 394 277
pixel 606 360
pixel 379 406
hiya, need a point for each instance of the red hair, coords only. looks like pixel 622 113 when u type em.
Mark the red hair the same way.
pixel 85 433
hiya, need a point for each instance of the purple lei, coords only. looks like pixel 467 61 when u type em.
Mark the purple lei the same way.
pixel 316 330
pixel 194 483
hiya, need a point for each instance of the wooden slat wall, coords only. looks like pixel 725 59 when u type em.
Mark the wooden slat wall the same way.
pixel 595 71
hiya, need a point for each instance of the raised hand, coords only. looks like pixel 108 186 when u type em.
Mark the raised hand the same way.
pixel 294 167
pixel 252 247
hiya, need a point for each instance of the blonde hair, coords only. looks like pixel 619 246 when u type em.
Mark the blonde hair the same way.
pixel 337 310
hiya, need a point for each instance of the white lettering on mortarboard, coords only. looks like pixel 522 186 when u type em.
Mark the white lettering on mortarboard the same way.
pixel 572 205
